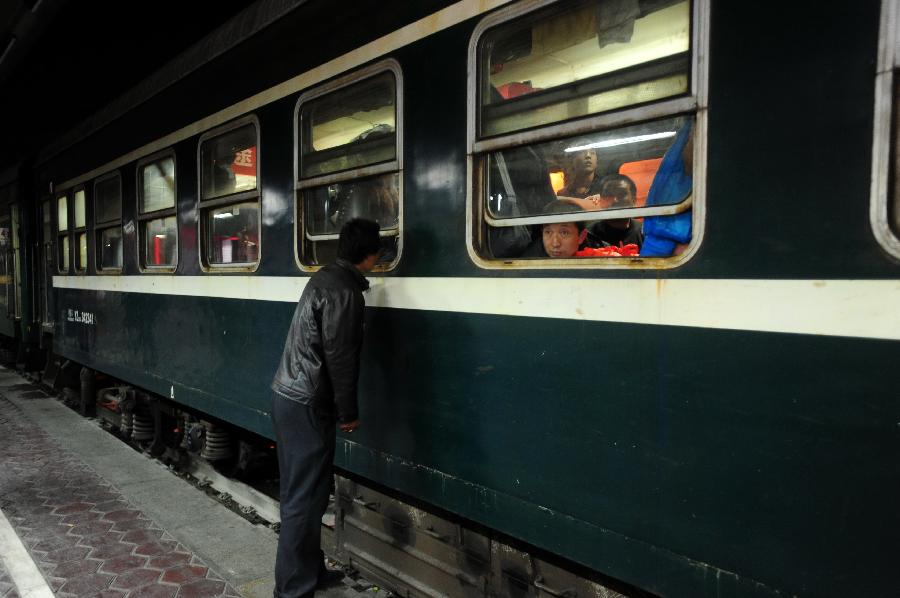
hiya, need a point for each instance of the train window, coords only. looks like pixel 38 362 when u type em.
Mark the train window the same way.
pixel 350 162
pixel 158 231
pixel 229 196
pixel 584 129
pixel 80 230
pixel 885 204
pixel 62 234
pixel 108 222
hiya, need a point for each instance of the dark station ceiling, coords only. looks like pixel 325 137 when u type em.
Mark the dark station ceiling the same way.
pixel 61 61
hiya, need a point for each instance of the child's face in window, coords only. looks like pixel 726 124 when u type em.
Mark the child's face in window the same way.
pixel 563 239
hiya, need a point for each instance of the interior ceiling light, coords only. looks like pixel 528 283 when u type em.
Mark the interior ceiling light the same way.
pixel 621 141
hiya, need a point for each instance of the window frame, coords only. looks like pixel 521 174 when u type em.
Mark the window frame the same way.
pixel 80 269
pixel 394 166
pixel 228 200
pixel 887 66
pixel 694 103
pixel 59 235
pixel 163 213
pixel 100 227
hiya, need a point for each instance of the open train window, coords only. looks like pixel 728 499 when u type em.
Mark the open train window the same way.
pixel 62 233
pixel 350 162
pixel 885 204
pixel 158 228
pixel 108 222
pixel 229 196
pixel 79 231
pixel 586 130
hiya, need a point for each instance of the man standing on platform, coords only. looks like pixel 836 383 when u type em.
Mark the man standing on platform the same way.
pixel 315 389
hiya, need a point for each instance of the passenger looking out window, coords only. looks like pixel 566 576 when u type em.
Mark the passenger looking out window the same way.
pixel 616 191
pixel 558 239
pixel 582 101
pixel 520 191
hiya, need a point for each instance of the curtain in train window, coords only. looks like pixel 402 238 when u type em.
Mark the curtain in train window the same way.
pixel 611 190
pixel 349 165
pixel 229 197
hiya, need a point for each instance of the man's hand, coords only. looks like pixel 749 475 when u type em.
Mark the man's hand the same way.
pixel 349 426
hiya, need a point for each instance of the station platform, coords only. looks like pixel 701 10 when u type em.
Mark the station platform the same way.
pixel 84 514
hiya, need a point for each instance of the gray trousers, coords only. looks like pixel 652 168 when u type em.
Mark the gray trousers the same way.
pixel 305 457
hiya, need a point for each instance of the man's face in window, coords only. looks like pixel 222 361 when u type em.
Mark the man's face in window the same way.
pixel 585 162
pixel 563 239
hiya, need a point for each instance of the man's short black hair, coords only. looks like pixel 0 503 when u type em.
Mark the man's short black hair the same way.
pixel 559 206
pixel 359 239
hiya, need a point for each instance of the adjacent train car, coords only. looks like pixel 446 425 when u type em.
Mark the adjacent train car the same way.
pixel 714 412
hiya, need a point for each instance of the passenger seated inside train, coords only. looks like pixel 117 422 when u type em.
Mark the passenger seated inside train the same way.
pixel 582 180
pixel 616 191
pixel 558 239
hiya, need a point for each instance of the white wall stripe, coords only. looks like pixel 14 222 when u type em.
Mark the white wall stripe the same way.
pixel 860 308
pixel 24 573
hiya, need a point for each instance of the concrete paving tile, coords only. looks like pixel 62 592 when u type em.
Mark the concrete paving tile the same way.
pixel 87 585
pixel 91 528
pixel 72 508
pixel 121 564
pixel 185 574
pixel 142 536
pixel 154 591
pixel 110 506
pixel 58 548
pixel 76 518
pixel 134 579
pixel 155 548
pixel 122 515
pixel 132 524
pixel 202 589
pixel 104 539
pixel 76 568
pixel 109 551
pixel 170 560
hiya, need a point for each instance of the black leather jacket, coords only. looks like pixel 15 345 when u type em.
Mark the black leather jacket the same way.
pixel 320 362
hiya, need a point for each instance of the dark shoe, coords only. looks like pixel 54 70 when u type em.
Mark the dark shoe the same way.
pixel 329 577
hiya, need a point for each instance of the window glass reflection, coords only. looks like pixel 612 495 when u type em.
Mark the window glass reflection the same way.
pixel 588 58
pixel 234 234
pixel 80 221
pixel 81 264
pixel 374 198
pixel 62 213
pixel 108 200
pixel 111 248
pixel 160 242
pixel 349 128
pixel 228 163
pixel 64 254
pixel 158 185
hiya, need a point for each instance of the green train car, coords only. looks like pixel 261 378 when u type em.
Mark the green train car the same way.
pixel 636 328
